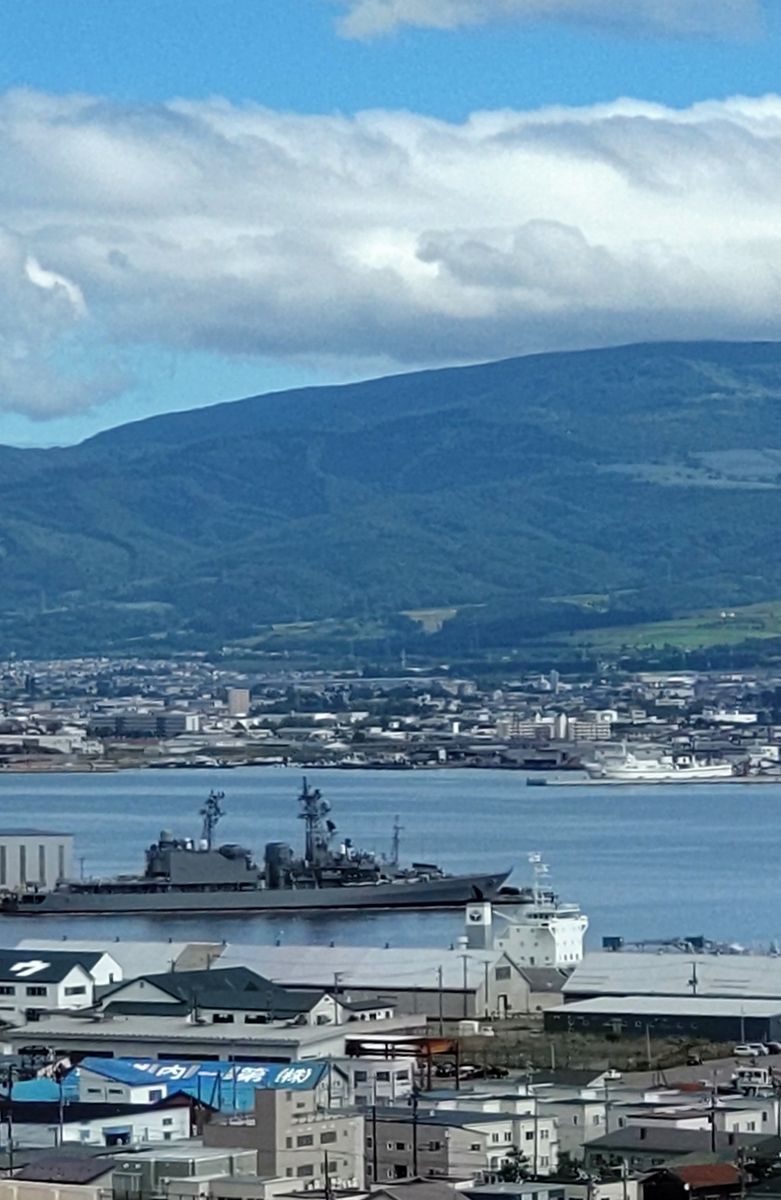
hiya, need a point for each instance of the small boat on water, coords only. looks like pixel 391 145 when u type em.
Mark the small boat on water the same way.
pixel 188 875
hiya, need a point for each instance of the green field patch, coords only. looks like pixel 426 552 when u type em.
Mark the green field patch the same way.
pixel 712 627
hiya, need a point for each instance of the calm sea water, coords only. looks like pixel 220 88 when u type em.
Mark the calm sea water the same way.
pixel 643 862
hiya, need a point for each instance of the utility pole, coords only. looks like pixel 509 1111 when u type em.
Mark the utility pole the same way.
pixel 337 982
pixel 713 1119
pixel 328 1193
pixel 465 958
pixel 441 1001
pixel 415 1133
pixel 374 1138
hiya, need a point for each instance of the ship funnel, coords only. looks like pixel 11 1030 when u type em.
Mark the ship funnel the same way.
pixel 479 925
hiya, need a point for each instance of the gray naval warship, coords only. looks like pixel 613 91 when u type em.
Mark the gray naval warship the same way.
pixel 184 875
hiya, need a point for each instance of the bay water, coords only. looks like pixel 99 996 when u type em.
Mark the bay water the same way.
pixel 642 861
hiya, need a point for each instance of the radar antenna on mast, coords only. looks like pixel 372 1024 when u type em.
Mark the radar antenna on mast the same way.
pixel 395 841
pixel 539 871
pixel 211 813
pixel 319 830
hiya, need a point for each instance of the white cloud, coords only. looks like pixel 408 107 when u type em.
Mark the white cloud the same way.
pixel 386 239
pixel 40 311
pixel 686 18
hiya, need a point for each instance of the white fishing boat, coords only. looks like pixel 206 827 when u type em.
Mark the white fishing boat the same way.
pixel 666 768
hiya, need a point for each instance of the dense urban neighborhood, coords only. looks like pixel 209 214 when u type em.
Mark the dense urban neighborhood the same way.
pixel 104 714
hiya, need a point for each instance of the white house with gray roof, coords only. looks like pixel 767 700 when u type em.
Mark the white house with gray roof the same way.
pixel 32 984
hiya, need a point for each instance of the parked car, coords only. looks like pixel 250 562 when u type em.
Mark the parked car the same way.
pixel 750 1050
pixel 693 1059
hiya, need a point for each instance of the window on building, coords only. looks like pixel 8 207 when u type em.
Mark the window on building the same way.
pixel 529 1135
pixel 544 1161
pixel 494 1137
pixel 60 862
pixel 23 864
pixel 383 1076
pixel 288 1171
pixel 305 1139
pixel 93 1091
pixel 36 991
pixel 305 1169
pixel 401 1145
pixel 168 1120
pixel 288 1143
pixel 596 1119
pixel 155 1094
pixel 7 990
pixel 76 991
pixel 502 973
pixel 118 1092
pixel 402 1074
pixel 475 1146
pixel 400 1171
pixel 255 1019
pixel 370 1141
pixel 360 1076
pixel 327 1137
pixel 435 1145
pixel 41 863
pixel 222 1018
pixel 544 1135
pixel 575 1119
pixel 389 1145
pixel 751 1126
pixel 3 866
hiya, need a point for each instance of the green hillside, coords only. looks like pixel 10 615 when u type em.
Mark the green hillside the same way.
pixel 649 475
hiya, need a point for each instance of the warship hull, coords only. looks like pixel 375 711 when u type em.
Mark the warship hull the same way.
pixel 452 891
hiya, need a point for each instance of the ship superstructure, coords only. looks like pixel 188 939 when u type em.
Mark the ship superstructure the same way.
pixel 184 875
pixel 538 930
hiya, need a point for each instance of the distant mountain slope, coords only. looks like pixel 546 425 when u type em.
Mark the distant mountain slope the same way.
pixel 651 472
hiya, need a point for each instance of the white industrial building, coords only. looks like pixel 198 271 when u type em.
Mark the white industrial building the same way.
pixel 34 858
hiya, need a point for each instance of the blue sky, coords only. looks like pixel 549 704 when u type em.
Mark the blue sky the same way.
pixel 289 57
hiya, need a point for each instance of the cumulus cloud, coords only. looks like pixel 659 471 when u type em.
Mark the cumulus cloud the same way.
pixel 385 239
pixel 40 311
pixel 681 18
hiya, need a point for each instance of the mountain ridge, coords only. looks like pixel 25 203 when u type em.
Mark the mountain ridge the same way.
pixel 649 471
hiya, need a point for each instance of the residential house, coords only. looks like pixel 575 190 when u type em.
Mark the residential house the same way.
pixel 32 984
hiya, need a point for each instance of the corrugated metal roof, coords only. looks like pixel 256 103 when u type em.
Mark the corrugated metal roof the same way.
pixel 135 958
pixel 678 974
pixel 395 969
pixel 684 1006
